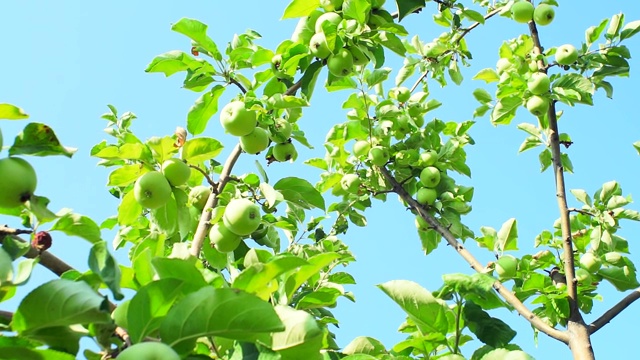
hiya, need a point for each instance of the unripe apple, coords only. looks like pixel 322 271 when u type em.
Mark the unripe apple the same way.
pixel 350 183
pixel 402 94
pixel 430 176
pixel 566 54
pixel 236 119
pixel 152 190
pixel 522 11
pixel 17 181
pixel 538 105
pixel 506 267
pixel 426 196
pixel 330 17
pixel 255 142
pixel 149 351
pixel 428 158
pixel 242 216
pixel 312 19
pixel 359 58
pixel 614 258
pixel 176 171
pixel 433 49
pixel 281 131
pixel 361 148
pixel 340 64
pixel 379 155
pixel 198 196
pixel 544 14
pixel 276 66
pixel 539 83
pixel 590 262
pixel 223 239
pixel 319 46
pixel 503 65
pixel 284 152
pixel 583 276
pixel 517 355
pixel 331 5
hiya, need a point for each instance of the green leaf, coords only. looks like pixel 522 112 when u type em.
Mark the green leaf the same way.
pixel 406 7
pixel 66 302
pixel 473 15
pixel 39 140
pixel 365 345
pixel 489 330
pixel 162 147
pixel 529 143
pixel 454 73
pixel 125 175
pixel 203 109
pixel 477 287
pixel 181 269
pixel 12 112
pixel 25 268
pixel 507 236
pixel 15 352
pixel 377 76
pixel 545 159
pixel 505 110
pixel 357 10
pixel 621 277
pixel 300 8
pixel 300 192
pixel 392 42
pixel 129 209
pixel 197 32
pixel 172 62
pixel 427 312
pixel 102 263
pixel 482 95
pixel 630 29
pixel 582 196
pixel 229 313
pixel 6 268
pixel 37 205
pixel 309 79
pixel 166 217
pixel 488 75
pixel 320 298
pixel 255 278
pixel 315 264
pixel 78 225
pixel 302 338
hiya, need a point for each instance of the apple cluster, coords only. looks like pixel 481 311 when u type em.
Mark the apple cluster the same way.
pixel 241 218
pixel 17 180
pixel 523 11
pixel 153 189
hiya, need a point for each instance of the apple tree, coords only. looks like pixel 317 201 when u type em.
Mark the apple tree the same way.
pixel 230 265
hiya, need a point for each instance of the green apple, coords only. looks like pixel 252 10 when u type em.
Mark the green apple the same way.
pixel 361 148
pixel 430 176
pixel 566 54
pixel 330 17
pixel 517 355
pixel 242 216
pixel 281 131
pixel 17 181
pixel 149 351
pixel 284 152
pixel 176 171
pixel 583 276
pixel 152 190
pixel 506 266
pixel 350 183
pixel 198 196
pixel 613 258
pixel 341 63
pixel 538 105
pixel 544 14
pixel 538 83
pixel 223 239
pixel 402 94
pixel 331 5
pixel 428 158
pixel 255 142
pixel 503 65
pixel 359 58
pixel 426 196
pixel 312 19
pixel 590 262
pixel 433 49
pixel 276 66
pixel 522 11
pixel 379 155
pixel 319 46
pixel 236 119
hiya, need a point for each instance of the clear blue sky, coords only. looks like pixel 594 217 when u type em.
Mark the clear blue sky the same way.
pixel 64 61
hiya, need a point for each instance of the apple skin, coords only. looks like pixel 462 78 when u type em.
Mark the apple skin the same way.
pixel 544 14
pixel 361 148
pixel 539 83
pixel 402 94
pixel 522 11
pixel 566 54
pixel 359 58
pixel 426 196
pixel 319 46
pixel 284 152
pixel 590 262
pixel 276 65
pixel 506 267
pixel 152 190
pixel 428 158
pixel 149 351
pixel 430 176
pixel 378 155
pixel 340 64
pixel 255 142
pixel 236 119
pixel 538 105
pixel 350 183
pixel 312 19
pixel 17 180
pixel 223 239
pixel 330 17
pixel 281 131
pixel 242 217
pixel 583 276
pixel 176 171
pixel 198 196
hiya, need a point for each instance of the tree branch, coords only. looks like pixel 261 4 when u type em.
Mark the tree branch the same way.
pixel 614 311
pixel 47 259
pixel 477 266
pixel 6 314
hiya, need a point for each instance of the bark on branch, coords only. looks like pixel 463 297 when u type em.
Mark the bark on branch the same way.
pixel 614 311
pixel 47 259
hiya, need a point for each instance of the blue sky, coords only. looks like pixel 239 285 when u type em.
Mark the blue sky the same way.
pixel 63 62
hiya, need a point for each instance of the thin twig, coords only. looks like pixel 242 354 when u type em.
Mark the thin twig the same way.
pixel 584 212
pixel 614 311
pixel 206 176
pixel 6 314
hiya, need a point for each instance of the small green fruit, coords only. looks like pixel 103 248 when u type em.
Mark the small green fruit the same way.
pixel 350 183
pixel 340 64
pixel 614 258
pixel 312 19
pixel 430 176
pixel 538 105
pixel 428 158
pixel 319 46
pixel 223 239
pixel 284 152
pixel 176 171
pixel 544 14
pixel 583 276
pixel 255 142
pixel 522 11
pixel 236 119
pixel 152 190
pixel 276 66
pixel 378 155
pixel 330 17
pixel 149 351
pixel 359 58
pixel 402 94
pixel 426 196
pixel 506 267
pixel 503 65
pixel 198 196
pixel 17 182
pixel 242 216
pixel 361 148
pixel 566 54
pixel 281 131
pixel 590 262
pixel 539 83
